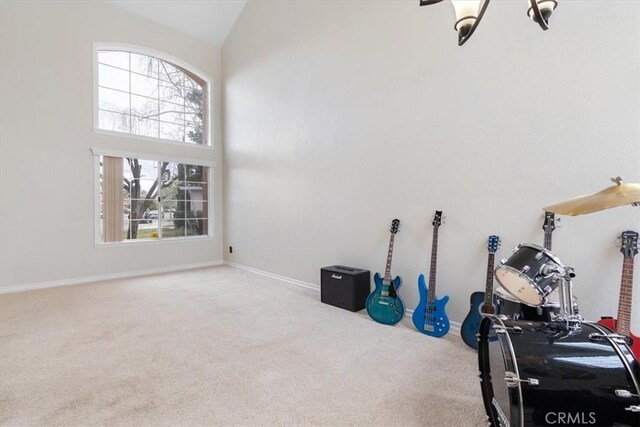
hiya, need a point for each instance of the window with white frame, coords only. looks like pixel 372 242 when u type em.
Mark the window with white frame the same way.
pixel 147 199
pixel 147 96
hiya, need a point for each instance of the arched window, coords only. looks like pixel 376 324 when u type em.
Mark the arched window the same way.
pixel 147 96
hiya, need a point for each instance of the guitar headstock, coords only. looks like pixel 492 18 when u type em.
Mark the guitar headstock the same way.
pixel 629 243
pixel 549 222
pixel 493 244
pixel 437 219
pixel 395 224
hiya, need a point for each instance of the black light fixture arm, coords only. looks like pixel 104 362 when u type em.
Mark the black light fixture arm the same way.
pixel 537 14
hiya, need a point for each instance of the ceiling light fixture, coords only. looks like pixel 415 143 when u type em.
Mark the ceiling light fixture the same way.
pixel 469 13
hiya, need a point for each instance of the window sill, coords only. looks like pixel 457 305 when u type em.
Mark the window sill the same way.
pixel 150 139
pixel 144 242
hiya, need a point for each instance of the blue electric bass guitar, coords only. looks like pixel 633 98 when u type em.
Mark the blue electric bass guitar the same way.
pixel 481 302
pixel 384 304
pixel 430 317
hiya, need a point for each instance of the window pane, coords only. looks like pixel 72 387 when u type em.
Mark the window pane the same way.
pixel 115 58
pixel 169 209
pixel 142 85
pixel 154 91
pixel 172 131
pixel 170 173
pixel 172 94
pixel 171 112
pixel 113 121
pixel 143 64
pixel 171 74
pixel 169 229
pixel 197 209
pixel 196 173
pixel 145 127
pixel 143 229
pixel 144 107
pixel 193 135
pixel 113 78
pixel 196 227
pixel 113 100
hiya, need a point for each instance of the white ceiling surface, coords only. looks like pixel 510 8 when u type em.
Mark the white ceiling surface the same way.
pixel 208 20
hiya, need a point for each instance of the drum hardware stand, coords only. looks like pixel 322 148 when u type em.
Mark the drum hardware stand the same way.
pixel 568 315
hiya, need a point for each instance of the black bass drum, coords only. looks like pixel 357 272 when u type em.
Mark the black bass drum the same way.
pixel 545 374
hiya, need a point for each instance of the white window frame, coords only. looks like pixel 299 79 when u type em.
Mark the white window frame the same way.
pixel 211 165
pixel 167 58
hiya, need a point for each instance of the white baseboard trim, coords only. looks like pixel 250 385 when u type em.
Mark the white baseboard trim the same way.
pixel 455 326
pixel 289 280
pixel 103 277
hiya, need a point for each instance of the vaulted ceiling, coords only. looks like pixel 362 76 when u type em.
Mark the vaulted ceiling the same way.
pixel 208 20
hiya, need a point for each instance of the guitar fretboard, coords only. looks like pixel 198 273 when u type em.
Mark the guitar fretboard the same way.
pixel 432 271
pixel 547 239
pixel 488 290
pixel 387 272
pixel 624 303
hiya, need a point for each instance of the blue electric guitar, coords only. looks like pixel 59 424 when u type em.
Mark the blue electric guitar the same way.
pixel 430 317
pixel 481 302
pixel 384 304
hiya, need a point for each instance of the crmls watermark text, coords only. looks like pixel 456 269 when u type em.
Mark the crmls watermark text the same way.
pixel 570 418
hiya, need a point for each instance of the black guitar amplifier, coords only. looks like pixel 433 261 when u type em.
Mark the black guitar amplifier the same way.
pixel 344 287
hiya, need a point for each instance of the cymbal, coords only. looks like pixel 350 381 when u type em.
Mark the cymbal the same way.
pixel 611 197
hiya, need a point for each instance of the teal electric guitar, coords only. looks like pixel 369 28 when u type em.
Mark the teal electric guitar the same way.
pixel 384 305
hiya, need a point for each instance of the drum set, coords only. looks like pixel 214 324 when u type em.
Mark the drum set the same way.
pixel 540 362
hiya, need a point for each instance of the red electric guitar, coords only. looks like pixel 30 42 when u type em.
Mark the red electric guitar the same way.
pixel 622 325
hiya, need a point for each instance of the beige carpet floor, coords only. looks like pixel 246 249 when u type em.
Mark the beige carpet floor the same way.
pixel 221 346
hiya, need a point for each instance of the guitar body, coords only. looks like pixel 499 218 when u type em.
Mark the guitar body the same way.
pixel 433 320
pixel 634 344
pixel 471 323
pixel 481 302
pixel 384 304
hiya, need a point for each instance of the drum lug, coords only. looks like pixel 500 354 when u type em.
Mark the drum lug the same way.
pixel 538 256
pixel 633 408
pixel 525 269
pixel 625 394
pixel 597 337
pixel 512 380
pixel 504 329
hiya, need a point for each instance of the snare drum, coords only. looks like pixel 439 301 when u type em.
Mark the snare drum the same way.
pixel 515 310
pixel 529 274
pixel 546 374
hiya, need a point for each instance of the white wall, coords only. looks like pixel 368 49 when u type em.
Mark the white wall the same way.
pixel 47 175
pixel 340 116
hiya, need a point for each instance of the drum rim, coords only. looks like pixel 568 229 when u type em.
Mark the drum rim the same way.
pixel 544 250
pixel 512 354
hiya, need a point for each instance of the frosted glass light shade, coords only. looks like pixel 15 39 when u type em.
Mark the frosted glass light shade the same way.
pixel 466 13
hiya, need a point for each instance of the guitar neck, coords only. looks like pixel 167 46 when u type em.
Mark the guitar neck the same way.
pixel 623 326
pixel 547 239
pixel 488 290
pixel 432 271
pixel 387 272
